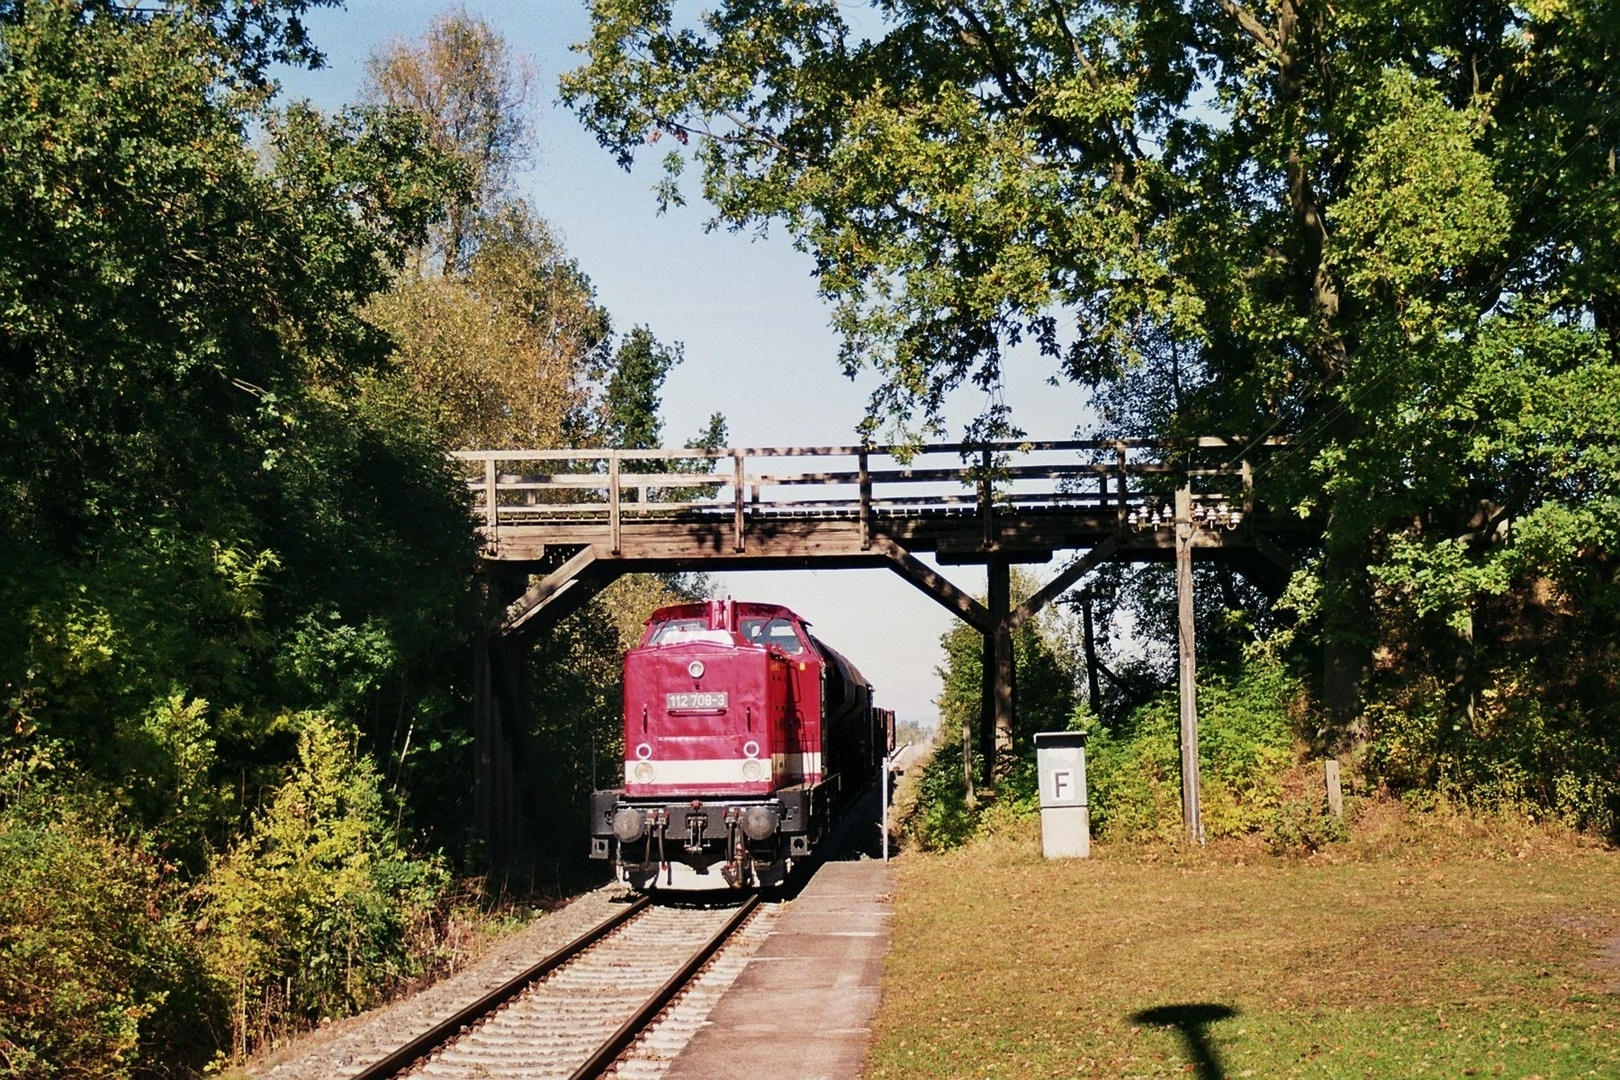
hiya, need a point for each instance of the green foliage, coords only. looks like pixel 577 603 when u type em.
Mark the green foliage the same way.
pixel 1302 826
pixel 941 818
pixel 217 507
pixel 499 352
pixel 313 912
pixel 98 968
pixel 1247 741
pixel 1245 744
pixel 1518 753
pixel 630 402
pixel 472 92
pixel 1045 669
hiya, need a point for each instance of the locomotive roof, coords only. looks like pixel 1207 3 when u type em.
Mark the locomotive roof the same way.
pixel 700 608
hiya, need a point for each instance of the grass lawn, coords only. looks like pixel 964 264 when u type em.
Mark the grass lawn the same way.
pixel 1442 955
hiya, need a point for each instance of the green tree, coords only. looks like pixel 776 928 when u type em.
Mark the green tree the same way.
pixel 499 356
pixel 192 462
pixel 215 506
pixel 97 961
pixel 1387 231
pixel 625 410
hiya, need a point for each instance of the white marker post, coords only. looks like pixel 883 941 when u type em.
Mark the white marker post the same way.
pixel 1060 760
pixel 888 763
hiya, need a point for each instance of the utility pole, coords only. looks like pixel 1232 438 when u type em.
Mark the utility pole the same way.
pixel 1191 817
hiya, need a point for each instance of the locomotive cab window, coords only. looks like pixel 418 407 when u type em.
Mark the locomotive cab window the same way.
pixel 674 630
pixel 778 632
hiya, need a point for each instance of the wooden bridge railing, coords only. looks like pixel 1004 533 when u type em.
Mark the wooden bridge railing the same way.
pixel 514 488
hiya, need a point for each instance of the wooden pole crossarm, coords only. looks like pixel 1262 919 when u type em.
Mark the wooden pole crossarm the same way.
pixel 953 599
pixel 1060 584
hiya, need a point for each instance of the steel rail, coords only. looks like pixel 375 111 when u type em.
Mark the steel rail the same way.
pixel 401 1059
pixel 600 1062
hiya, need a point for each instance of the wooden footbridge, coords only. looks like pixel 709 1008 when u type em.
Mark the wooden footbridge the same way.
pixel 560 525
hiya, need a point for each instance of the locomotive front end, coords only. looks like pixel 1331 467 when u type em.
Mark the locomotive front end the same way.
pixel 712 794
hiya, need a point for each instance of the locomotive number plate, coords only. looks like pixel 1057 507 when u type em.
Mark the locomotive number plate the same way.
pixel 716 700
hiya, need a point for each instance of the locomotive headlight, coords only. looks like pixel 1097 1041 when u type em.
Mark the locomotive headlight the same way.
pixel 628 825
pixel 760 822
pixel 753 769
pixel 643 773
pixel 695 669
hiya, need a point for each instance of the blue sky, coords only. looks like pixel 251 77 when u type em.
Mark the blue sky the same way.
pixel 758 345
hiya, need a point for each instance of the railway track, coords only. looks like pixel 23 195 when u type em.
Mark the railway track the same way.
pixel 573 1015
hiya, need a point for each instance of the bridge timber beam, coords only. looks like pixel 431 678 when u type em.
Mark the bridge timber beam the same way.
pixel 559 593
pixel 937 587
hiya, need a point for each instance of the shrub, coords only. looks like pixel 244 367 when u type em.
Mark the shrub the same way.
pixel 313 914
pixel 1303 825
pixel 940 819
pixel 1245 744
pixel 1519 753
pixel 98 971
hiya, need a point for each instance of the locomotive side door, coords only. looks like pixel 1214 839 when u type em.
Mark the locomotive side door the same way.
pixel 805 670
pixel 801 703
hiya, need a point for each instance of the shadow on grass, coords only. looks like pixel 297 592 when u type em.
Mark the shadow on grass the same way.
pixel 1191 1021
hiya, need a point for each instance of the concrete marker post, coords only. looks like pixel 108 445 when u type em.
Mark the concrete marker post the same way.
pixel 1060 761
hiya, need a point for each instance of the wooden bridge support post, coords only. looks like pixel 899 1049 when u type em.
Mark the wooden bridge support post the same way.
pixel 497 814
pixel 996 712
pixel 500 699
pixel 1191 817
pixel 1089 642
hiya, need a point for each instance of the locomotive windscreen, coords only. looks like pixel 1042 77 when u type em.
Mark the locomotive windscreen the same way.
pixel 778 632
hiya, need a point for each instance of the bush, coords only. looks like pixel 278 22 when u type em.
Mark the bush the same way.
pixel 314 913
pixel 1304 825
pixel 1245 744
pixel 940 819
pixel 1519 753
pixel 98 970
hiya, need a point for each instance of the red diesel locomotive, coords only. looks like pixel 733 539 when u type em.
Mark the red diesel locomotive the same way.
pixel 743 736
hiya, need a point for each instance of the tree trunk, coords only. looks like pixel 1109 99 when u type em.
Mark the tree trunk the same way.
pixel 1347 636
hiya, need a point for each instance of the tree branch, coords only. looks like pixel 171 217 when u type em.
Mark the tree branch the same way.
pixel 1251 25
pixel 1007 77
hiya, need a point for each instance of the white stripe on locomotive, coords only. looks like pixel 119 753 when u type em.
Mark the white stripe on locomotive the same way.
pixel 719 770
